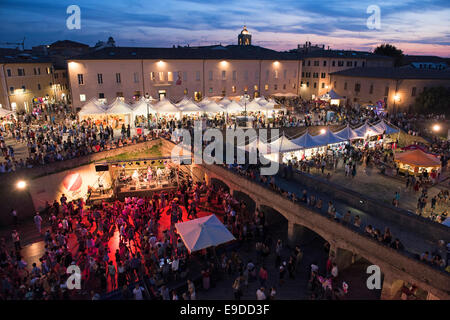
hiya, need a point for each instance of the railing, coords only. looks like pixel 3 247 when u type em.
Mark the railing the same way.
pixel 357 230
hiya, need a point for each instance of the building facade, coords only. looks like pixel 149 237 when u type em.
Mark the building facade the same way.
pixel 317 66
pixel 24 80
pixel 176 72
pixel 397 88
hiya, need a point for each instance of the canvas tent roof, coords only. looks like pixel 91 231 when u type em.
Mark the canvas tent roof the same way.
pixel 233 107
pixel 4 112
pixel 92 107
pixel 205 101
pixel 119 107
pixel 348 134
pixel 283 144
pixel 253 106
pixel 384 127
pixel 224 101
pixel 261 100
pixel 328 138
pixel 189 107
pixel 418 158
pixel 140 108
pixel 212 107
pixel 306 141
pixel 334 95
pixel 203 232
pixel 165 106
pixel 367 129
pixel 183 101
pixel 287 94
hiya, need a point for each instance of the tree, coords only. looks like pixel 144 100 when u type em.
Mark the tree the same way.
pixel 389 50
pixel 433 100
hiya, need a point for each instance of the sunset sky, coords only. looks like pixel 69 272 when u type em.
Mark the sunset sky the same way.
pixel 415 26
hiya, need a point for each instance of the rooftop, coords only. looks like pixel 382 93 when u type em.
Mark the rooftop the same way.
pixel 395 73
pixel 16 56
pixel 232 52
pixel 345 54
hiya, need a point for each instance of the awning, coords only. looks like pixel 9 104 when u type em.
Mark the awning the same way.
pixel 203 233
pixel 418 158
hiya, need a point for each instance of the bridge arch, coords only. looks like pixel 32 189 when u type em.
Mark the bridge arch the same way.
pixel 217 183
pixel 249 201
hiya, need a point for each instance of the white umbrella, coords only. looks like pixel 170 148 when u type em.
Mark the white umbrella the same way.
pixel 203 233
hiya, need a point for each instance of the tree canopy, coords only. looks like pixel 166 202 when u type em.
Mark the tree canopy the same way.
pixel 433 100
pixel 389 50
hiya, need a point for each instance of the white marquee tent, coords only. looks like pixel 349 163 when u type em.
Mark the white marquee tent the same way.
pixel 189 107
pixel 4 112
pixel 382 126
pixel 165 106
pixel 233 107
pixel 93 107
pixel 212 107
pixel 328 137
pixel 367 130
pixel 119 107
pixel 141 108
pixel 348 134
pixel 224 101
pixel 203 233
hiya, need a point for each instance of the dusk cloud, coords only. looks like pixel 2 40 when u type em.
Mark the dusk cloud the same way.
pixel 417 27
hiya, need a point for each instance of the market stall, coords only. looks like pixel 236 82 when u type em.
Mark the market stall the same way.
pixel 140 110
pixel 93 111
pixel 416 162
pixel 119 113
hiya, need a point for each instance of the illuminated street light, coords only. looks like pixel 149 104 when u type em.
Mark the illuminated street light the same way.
pixel 276 63
pixel 397 98
pixel 436 128
pixel 322 131
pixel 21 185
pixel 223 63
pixel 160 63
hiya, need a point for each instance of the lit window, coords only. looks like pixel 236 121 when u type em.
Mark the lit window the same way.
pixel 233 89
pixel 82 97
pixel 266 87
pixel 169 76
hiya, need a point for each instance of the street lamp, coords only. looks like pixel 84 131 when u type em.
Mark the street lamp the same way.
pixel 148 111
pixel 21 184
pixel 436 128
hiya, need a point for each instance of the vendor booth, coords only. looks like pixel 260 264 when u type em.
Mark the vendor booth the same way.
pixel 140 111
pixel 416 162
pixel 119 113
pixel 94 111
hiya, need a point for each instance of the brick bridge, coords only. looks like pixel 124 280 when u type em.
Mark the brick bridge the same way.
pixel 346 245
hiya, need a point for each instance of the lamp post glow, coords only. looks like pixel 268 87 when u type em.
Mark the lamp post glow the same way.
pixel 21 185
pixel 322 131
pixel 436 128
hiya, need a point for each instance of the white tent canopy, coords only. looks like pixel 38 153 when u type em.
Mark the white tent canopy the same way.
pixel 212 107
pixel 4 112
pixel 348 134
pixel 253 106
pixel 382 126
pixel 183 101
pixel 141 108
pixel 261 100
pixel 205 101
pixel 327 138
pixel 306 141
pixel 189 107
pixel 203 233
pixel 367 130
pixel 92 107
pixel 165 106
pixel 119 107
pixel 233 107
pixel 224 101
pixel 283 144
